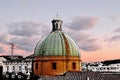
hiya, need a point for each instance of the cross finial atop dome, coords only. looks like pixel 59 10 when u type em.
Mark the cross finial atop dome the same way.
pixel 57 17
pixel 57 23
pixel 57 14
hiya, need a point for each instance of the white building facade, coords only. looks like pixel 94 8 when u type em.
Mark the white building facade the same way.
pixel 16 64
pixel 110 66
pixel 105 68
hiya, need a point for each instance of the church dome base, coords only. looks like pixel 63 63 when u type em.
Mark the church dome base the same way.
pixel 55 65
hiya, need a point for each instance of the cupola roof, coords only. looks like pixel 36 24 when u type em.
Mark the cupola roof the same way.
pixel 57 43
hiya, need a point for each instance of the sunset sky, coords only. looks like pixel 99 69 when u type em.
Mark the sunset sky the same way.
pixel 93 24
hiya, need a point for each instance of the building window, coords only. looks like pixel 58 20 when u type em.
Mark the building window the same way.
pixel 13 68
pixel 7 68
pixel 19 68
pixel 36 66
pixel 25 67
pixel 74 65
pixel 54 66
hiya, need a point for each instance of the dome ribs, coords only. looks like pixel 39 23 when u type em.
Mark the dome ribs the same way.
pixel 67 51
pixel 66 45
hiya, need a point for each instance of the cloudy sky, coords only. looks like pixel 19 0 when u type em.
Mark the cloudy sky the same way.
pixel 93 24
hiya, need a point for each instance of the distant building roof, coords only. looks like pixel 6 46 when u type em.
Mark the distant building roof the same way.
pixel 12 57
pixel 108 62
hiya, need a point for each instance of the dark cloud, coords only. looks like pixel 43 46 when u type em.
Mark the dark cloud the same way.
pixel 27 44
pixel 27 34
pixel 114 38
pixel 90 45
pixel 78 36
pixel 82 23
pixel 1 50
pixel 117 30
pixel 27 29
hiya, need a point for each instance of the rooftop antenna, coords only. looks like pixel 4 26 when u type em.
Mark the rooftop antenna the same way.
pixel 12 48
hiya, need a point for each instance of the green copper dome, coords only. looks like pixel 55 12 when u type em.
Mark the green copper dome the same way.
pixel 57 43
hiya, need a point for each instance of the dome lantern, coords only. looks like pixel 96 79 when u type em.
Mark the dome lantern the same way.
pixel 57 23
